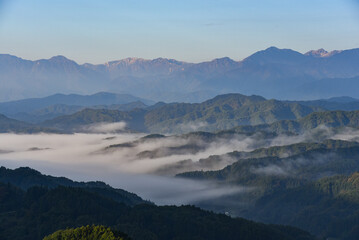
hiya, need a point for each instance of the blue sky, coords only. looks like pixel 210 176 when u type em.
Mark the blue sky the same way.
pixel 194 31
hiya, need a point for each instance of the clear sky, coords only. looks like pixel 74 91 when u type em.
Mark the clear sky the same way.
pixel 98 31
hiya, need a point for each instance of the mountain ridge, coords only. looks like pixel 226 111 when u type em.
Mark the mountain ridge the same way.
pixel 219 113
pixel 278 71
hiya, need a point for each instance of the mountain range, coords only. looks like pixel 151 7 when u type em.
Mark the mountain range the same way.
pixel 57 113
pixel 40 109
pixel 246 113
pixel 222 112
pixel 273 73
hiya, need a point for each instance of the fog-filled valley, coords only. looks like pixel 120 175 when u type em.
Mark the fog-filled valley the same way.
pixel 237 155
pixel 233 172
pixel 179 120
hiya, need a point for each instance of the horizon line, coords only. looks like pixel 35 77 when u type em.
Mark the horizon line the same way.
pixel 166 58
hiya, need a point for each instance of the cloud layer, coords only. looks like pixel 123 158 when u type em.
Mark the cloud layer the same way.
pixel 146 165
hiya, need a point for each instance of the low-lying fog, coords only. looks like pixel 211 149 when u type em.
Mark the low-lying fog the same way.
pixel 84 157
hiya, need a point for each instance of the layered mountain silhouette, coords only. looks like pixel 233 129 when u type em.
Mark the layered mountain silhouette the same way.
pixel 223 112
pixel 36 110
pixel 274 73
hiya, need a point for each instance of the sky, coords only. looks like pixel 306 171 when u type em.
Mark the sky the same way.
pixel 97 31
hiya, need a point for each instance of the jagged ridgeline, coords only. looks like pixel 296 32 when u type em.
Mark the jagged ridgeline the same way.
pixel 40 211
pixel 283 73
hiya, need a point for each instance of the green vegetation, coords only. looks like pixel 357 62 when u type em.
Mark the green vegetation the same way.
pixel 328 207
pixel 26 178
pixel 88 116
pixel 230 111
pixel 86 233
pixel 221 112
pixel 332 119
pixel 286 190
pixel 38 212
pixel 215 161
pixel 306 162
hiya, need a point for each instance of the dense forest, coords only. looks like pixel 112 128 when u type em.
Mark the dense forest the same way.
pixel 88 233
pixel 40 211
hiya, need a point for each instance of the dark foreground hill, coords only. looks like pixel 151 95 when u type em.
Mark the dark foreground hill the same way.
pixel 40 211
pixel 26 178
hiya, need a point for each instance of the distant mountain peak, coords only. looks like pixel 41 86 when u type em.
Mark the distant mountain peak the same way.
pixel 321 53
pixel 127 61
pixel 274 54
pixel 317 53
pixel 223 60
pixel 60 58
pixel 272 48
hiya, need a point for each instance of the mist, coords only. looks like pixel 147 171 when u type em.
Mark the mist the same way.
pixel 146 166
pixel 82 157
pixel 105 127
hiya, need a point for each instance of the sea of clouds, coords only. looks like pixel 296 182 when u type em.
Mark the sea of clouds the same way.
pixel 85 157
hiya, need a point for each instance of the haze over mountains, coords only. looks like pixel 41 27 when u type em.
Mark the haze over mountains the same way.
pixel 79 113
pixel 249 154
pixel 273 73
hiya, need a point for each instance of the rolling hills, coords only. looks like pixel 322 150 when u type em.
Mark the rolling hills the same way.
pixel 232 112
pixel 222 112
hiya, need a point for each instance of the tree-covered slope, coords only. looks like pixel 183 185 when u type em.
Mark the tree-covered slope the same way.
pixel 245 113
pixel 40 212
pixel 222 112
pixel 86 117
pixel 328 207
pixel 318 160
pixel 88 233
pixel 25 178
pixel 332 119
pixel 294 189
pixel 216 161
